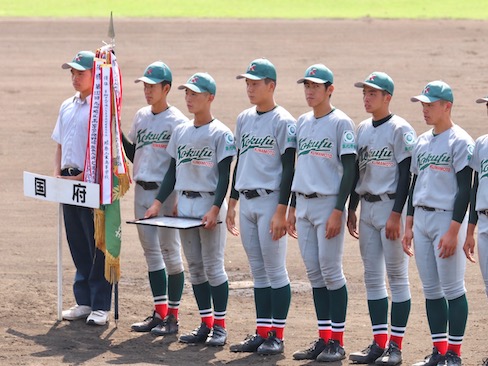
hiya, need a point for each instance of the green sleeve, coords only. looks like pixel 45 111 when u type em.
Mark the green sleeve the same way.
pixel 169 181
pixel 233 193
pixel 223 182
pixel 129 147
pixel 404 176
pixel 347 181
pixel 293 200
pixel 288 163
pixel 410 208
pixel 354 197
pixel 461 202
pixel 473 215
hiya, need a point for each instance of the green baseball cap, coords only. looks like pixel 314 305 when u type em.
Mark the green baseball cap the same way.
pixel 378 80
pixel 156 73
pixel 319 74
pixel 82 61
pixel 259 69
pixel 434 91
pixel 482 100
pixel 201 82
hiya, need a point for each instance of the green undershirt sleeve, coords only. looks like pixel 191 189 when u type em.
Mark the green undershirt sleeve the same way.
pixel 410 208
pixel 223 182
pixel 347 181
pixel 473 215
pixel 354 197
pixel 129 147
pixel 288 163
pixel 403 184
pixel 461 202
pixel 233 193
pixel 169 181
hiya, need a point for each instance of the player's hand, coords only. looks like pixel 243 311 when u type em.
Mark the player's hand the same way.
pixel 392 229
pixel 153 210
pixel 278 223
pixel 210 218
pixel 447 244
pixel 468 248
pixel 352 222
pixel 407 241
pixel 291 223
pixel 175 210
pixel 334 224
pixel 230 219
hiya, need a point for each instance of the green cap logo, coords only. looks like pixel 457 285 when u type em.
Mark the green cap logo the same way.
pixel 319 74
pixel 259 69
pixel 156 73
pixel 201 82
pixel 434 91
pixel 82 61
pixel 378 80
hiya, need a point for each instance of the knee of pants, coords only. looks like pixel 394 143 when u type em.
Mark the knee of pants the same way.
pixel 197 273
pixel 174 265
pixel 216 279
pixel 315 278
pixel 278 278
pixel 376 292
pixel 154 261
pixel 454 292
pixel 260 277
pixel 334 278
pixel 433 292
pixel 400 289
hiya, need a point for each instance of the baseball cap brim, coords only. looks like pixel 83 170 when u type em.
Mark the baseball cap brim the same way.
pixel 362 84
pixel 74 65
pixel 192 87
pixel 424 99
pixel 313 80
pixel 249 76
pixel 482 100
pixel 147 80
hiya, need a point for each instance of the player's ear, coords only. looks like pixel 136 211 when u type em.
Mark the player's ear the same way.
pixel 166 88
pixel 211 97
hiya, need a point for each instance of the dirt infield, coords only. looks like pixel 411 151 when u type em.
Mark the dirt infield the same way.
pixel 33 85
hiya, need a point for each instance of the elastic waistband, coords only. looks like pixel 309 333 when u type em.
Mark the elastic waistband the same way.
pixel 192 194
pixel 376 198
pixel 253 193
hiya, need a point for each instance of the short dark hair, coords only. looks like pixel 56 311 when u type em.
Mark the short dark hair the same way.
pixel 269 80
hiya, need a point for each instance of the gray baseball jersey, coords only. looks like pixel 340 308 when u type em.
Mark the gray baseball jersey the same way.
pixel 197 151
pixel 380 150
pixel 479 163
pixel 261 140
pixel 151 133
pixel 435 161
pixel 321 143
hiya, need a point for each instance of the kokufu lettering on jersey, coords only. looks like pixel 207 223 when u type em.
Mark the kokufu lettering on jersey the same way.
pixel 409 140
pixel 261 145
pixel 484 169
pixel 159 140
pixel 348 140
pixel 320 148
pixel 191 155
pixel 378 157
pixel 435 162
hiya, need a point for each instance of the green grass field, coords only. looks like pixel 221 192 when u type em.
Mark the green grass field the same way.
pixel 286 9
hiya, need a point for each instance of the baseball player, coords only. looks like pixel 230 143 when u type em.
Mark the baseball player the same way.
pixel 326 145
pixel 201 153
pixel 479 206
pixel 266 142
pixel 439 197
pixel 93 294
pixel 150 133
pixel 385 144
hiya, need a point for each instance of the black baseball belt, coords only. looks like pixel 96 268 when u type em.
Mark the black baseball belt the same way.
pixel 148 186
pixel 376 198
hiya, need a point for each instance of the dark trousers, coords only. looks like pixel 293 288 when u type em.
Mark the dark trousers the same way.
pixel 90 286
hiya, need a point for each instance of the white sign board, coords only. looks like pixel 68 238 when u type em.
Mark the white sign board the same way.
pixel 71 192
pixel 171 222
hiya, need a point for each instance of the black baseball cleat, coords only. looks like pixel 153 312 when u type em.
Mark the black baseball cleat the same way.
pixel 311 353
pixel 333 352
pixel 432 360
pixel 147 324
pixel 169 325
pixel 217 337
pixel 391 357
pixel 368 355
pixel 272 345
pixel 484 362
pixel 250 344
pixel 452 359
pixel 198 335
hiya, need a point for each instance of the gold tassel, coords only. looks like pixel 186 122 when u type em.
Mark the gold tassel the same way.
pixel 112 268
pixel 124 183
pixel 100 229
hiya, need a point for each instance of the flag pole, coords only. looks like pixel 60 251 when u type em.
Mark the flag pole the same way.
pixel 60 262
